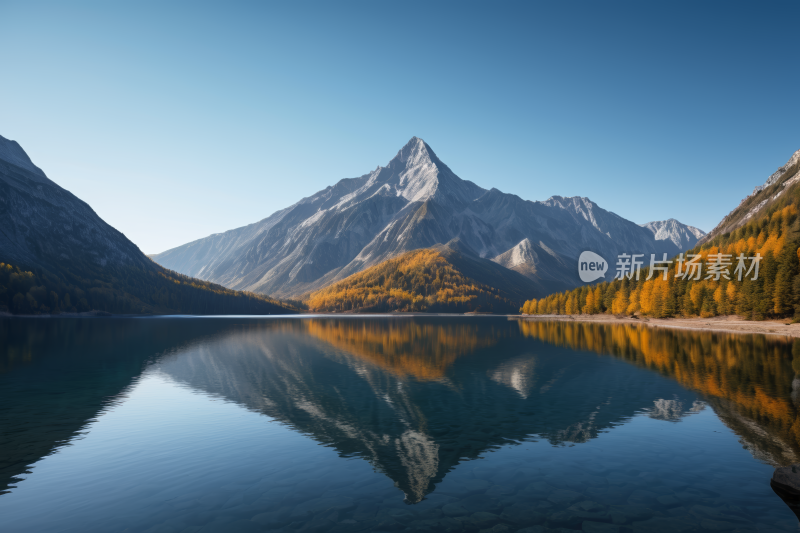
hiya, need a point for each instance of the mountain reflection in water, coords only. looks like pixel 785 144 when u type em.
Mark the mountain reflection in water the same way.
pixel 413 396
pixel 406 396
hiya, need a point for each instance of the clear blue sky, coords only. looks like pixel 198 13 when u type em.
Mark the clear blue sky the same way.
pixel 178 120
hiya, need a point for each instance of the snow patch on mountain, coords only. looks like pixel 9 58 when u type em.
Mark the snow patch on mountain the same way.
pixel 793 162
pixel 519 254
pixel 756 209
pixel 683 236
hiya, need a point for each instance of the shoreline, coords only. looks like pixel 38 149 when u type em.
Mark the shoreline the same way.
pixel 722 324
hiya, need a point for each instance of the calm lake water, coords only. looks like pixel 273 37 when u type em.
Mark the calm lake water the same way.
pixel 390 424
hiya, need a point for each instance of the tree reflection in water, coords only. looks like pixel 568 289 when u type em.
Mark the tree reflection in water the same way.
pixel 748 379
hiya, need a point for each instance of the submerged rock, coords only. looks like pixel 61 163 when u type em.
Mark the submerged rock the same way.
pixel 588 507
pixel 534 529
pixel 663 525
pixel 485 520
pixel 668 500
pixel 788 479
pixel 568 519
pixel 599 527
pixel 476 485
pixel 522 515
pixel 563 496
pixel 499 528
pixel 786 484
pixel 454 509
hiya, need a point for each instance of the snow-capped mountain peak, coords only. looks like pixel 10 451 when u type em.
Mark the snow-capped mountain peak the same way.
pixel 419 175
pixel 415 152
pixel 683 236
pixel 414 175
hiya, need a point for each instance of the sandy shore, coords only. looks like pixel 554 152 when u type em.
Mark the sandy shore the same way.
pixel 731 324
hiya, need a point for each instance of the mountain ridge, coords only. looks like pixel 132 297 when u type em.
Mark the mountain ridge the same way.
pixel 762 196
pixel 58 255
pixel 415 201
pixel 54 225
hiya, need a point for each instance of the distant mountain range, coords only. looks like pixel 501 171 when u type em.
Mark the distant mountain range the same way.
pixel 415 202
pixel 57 255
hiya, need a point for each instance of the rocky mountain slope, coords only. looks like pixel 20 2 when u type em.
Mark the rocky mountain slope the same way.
pixel 762 197
pixel 56 254
pixel 43 224
pixel 682 236
pixel 414 202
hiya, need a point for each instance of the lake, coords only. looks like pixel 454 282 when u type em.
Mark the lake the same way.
pixel 434 423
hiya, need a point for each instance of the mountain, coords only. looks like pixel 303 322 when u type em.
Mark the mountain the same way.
pixel 414 202
pixel 445 278
pixel 56 254
pixel 43 224
pixel 538 263
pixel 682 236
pixel 762 197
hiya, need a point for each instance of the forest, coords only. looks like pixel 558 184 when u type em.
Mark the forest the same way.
pixel 421 281
pixel 774 292
pixel 124 290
